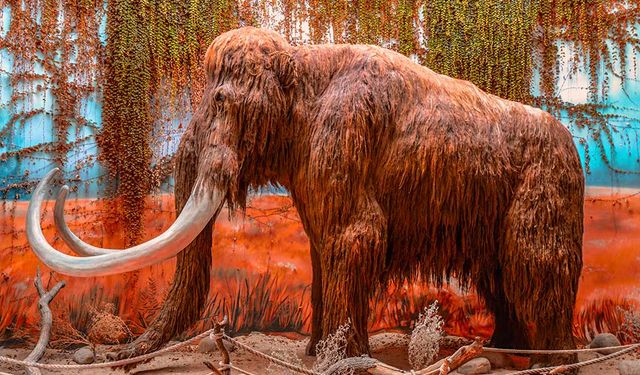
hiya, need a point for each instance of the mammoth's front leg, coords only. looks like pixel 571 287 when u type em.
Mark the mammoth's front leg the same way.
pixel 190 288
pixel 353 258
pixel 316 301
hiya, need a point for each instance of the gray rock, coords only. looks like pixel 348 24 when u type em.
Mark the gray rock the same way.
pixel 498 360
pixel 208 345
pixel 84 356
pixel 629 367
pixel 603 340
pixel 475 366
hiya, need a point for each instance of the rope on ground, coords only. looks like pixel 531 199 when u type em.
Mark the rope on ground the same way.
pixel 558 351
pixel 623 350
pixel 122 362
pixel 232 367
pixel 269 358
pixel 573 366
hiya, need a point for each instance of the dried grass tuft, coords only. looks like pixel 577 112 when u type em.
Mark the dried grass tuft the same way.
pixel 425 338
pixel 107 328
pixel 333 349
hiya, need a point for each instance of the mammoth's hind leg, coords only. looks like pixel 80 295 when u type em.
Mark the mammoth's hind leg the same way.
pixel 510 331
pixel 542 257
pixel 353 258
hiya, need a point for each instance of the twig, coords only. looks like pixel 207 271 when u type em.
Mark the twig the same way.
pixel 455 360
pixel 444 368
pixel 212 367
pixel 46 321
pixel 217 335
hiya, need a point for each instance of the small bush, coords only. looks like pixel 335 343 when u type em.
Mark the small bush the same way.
pixel 332 349
pixel 629 330
pixel 425 338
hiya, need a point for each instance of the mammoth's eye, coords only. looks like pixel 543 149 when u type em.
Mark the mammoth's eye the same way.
pixel 219 97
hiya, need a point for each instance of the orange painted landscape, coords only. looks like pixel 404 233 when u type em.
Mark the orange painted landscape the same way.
pixel 261 272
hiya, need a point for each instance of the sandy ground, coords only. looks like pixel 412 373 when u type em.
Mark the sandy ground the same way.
pixel 386 347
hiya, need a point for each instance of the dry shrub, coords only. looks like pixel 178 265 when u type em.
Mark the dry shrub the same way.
pixel 333 349
pixel 629 330
pixel 107 328
pixel 425 338
pixel 288 356
pixel 64 335
pixel 601 315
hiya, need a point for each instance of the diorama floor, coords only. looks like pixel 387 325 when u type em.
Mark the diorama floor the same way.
pixel 390 348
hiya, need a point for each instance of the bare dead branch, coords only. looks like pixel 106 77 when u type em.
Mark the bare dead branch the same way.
pixel 220 344
pixel 212 367
pixel 46 320
pixel 455 360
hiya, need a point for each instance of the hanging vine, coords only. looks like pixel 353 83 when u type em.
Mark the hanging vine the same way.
pixel 150 71
pixel 126 110
pixel 154 54
pixel 56 53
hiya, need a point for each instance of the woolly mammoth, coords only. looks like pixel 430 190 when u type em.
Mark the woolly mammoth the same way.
pixel 396 172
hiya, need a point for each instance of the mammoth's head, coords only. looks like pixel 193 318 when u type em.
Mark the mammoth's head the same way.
pixel 246 103
pixel 243 117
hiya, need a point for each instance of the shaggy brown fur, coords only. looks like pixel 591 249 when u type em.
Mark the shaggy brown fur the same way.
pixel 396 171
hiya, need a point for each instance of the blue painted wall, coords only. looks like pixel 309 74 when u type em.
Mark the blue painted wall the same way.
pixel 621 100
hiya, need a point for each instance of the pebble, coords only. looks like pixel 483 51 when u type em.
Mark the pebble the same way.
pixel 475 366
pixel 498 360
pixel 603 340
pixel 208 345
pixel 83 356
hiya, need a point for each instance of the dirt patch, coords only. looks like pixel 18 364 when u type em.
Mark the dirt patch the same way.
pixel 390 348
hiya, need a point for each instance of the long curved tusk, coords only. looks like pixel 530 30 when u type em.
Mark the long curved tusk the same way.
pixel 197 212
pixel 76 244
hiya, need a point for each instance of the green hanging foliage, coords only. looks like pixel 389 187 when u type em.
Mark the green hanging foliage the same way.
pixel 487 42
pixel 154 52
pixel 126 115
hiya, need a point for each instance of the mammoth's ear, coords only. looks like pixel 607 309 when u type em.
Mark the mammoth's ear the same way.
pixel 285 68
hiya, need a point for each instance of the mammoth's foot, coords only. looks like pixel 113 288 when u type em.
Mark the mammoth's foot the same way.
pixel 540 361
pixel 554 339
pixel 316 337
pixel 148 342
pixel 310 350
pixel 509 332
pixel 509 338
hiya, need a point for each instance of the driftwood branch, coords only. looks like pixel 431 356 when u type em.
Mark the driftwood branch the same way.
pixel 210 366
pixel 45 322
pixel 455 360
pixel 442 367
pixel 226 359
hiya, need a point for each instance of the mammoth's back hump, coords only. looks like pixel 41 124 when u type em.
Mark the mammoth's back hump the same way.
pixel 446 175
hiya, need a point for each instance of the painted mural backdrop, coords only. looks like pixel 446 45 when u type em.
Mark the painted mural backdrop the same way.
pixel 104 89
